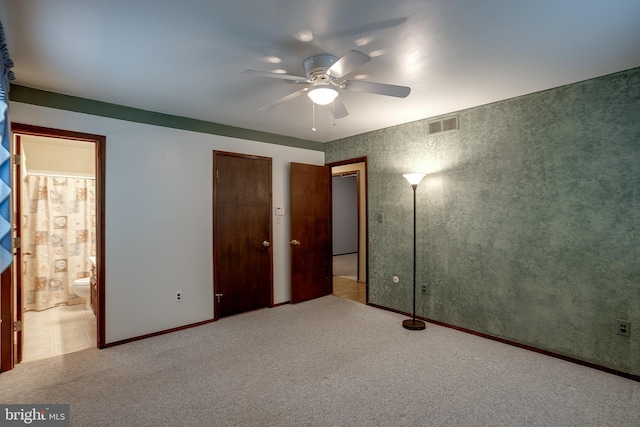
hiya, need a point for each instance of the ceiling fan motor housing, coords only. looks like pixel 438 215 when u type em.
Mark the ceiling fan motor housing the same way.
pixel 316 67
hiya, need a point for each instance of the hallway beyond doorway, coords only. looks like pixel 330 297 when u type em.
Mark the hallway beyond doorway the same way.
pixel 346 266
pixel 349 289
pixel 345 283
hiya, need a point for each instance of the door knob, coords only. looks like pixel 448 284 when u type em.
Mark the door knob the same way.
pixel 295 243
pixel 266 244
pixel 26 253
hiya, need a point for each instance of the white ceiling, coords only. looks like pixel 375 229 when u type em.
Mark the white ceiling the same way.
pixel 184 57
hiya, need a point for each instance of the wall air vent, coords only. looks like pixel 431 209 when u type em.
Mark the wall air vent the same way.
pixel 446 124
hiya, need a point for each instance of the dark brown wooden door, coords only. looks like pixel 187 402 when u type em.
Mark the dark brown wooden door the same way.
pixel 310 211
pixel 242 233
pixel 6 326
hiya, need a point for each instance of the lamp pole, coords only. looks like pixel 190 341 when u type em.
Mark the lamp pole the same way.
pixel 413 324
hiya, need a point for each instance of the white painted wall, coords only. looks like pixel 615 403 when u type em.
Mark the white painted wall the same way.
pixel 159 217
pixel 344 193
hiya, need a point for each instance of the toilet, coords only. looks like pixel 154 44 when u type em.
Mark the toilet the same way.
pixel 82 288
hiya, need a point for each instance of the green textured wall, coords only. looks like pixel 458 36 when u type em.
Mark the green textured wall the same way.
pixel 528 219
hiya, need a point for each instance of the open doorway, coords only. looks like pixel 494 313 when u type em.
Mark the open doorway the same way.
pixel 58 227
pixel 349 224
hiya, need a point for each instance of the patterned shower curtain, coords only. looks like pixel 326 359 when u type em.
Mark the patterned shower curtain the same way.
pixel 58 229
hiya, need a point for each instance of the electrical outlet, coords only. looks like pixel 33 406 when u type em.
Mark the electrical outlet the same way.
pixel 424 289
pixel 178 296
pixel 623 327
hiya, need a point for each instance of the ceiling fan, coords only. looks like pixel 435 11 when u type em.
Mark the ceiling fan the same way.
pixel 325 74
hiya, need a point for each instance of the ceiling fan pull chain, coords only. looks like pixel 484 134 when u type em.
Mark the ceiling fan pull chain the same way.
pixel 333 111
pixel 313 116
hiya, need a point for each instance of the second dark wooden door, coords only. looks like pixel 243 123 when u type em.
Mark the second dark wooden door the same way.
pixel 242 233
pixel 310 211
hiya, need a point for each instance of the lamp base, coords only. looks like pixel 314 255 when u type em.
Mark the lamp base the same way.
pixel 413 325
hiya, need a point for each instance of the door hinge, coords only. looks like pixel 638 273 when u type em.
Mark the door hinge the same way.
pixel 217 174
pixel 218 297
pixel 16 243
pixel 17 325
pixel 16 159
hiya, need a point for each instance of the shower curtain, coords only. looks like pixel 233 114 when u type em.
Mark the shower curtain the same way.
pixel 58 237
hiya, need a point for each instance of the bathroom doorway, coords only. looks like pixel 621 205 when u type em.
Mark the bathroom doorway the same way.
pixel 58 268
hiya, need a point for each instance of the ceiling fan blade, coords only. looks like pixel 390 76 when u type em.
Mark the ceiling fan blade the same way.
pixel 349 62
pixel 273 75
pixel 378 88
pixel 339 110
pixel 283 99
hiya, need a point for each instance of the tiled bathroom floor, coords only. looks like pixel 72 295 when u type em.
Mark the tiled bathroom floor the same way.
pixel 58 330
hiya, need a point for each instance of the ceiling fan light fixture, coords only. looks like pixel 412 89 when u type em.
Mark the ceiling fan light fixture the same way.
pixel 322 95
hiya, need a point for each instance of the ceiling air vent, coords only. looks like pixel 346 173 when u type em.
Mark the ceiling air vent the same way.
pixel 446 124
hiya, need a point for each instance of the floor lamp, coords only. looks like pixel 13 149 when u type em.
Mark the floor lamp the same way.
pixel 413 324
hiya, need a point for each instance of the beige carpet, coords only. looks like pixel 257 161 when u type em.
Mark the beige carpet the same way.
pixel 326 362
